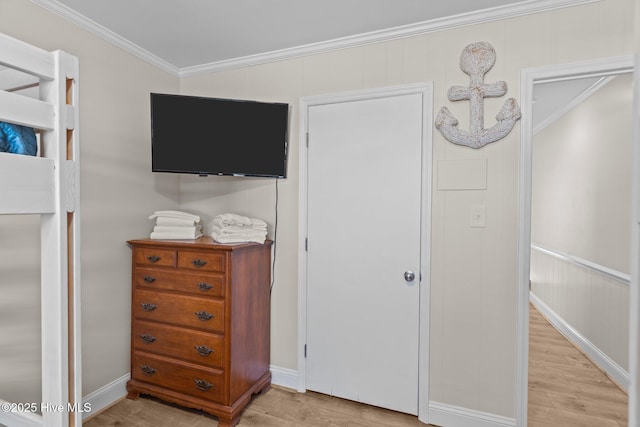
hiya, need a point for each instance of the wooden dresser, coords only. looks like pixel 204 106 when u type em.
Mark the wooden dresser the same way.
pixel 200 323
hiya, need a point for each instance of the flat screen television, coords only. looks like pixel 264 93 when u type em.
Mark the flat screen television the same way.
pixel 214 136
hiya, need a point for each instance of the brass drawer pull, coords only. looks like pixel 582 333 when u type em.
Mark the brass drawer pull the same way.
pixel 203 315
pixel 153 258
pixel 148 338
pixel 203 385
pixel 199 263
pixel 148 370
pixel 149 279
pixel 204 286
pixel 148 307
pixel 203 350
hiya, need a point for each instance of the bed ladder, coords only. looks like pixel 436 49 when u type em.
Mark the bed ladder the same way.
pixel 49 186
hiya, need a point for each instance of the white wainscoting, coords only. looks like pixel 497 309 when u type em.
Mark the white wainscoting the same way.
pixel 587 303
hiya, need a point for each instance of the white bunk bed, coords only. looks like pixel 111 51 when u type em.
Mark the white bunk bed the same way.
pixel 48 184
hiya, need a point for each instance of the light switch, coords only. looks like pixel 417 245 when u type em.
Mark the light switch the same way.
pixel 478 216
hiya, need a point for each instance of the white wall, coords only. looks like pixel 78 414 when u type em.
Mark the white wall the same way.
pixel 20 308
pixel 118 193
pixel 473 277
pixel 581 193
pixel 473 273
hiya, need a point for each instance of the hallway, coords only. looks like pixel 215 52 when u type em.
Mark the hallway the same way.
pixel 565 388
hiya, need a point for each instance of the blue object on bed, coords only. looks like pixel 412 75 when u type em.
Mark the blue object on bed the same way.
pixel 18 139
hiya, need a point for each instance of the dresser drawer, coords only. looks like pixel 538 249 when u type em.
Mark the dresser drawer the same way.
pixel 200 313
pixel 155 257
pixel 194 346
pixel 168 280
pixel 201 261
pixel 184 378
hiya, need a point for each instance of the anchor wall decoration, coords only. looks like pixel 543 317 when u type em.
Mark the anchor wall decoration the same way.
pixel 476 60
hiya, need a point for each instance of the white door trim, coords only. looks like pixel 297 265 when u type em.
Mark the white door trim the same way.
pixel 426 89
pixel 529 77
pixel 634 308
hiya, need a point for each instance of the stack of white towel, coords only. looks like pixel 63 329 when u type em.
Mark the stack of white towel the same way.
pixel 175 225
pixel 233 228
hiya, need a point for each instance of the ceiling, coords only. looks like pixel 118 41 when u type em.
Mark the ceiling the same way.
pixel 182 35
pixel 179 35
pixel 551 100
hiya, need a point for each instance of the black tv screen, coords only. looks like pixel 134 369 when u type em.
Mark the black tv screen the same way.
pixel 213 136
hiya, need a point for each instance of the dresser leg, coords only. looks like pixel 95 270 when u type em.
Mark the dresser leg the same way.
pixel 264 389
pixel 133 395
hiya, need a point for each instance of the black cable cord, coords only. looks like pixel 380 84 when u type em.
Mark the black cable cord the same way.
pixel 275 233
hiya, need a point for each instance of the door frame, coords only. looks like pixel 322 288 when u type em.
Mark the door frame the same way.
pixel 426 90
pixel 530 76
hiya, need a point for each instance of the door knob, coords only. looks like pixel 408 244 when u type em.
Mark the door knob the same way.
pixel 409 276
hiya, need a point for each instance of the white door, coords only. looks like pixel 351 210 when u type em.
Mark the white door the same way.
pixel 364 203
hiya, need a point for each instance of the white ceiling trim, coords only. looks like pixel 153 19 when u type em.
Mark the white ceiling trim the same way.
pixel 487 15
pixel 106 34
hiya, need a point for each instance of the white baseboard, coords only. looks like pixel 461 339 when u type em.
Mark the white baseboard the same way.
pixel 445 415
pixel 106 396
pixel 116 390
pixel 600 359
pixel 284 377
pixel 439 413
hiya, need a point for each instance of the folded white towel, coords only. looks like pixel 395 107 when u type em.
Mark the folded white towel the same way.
pixel 175 222
pixel 234 219
pixel 255 223
pixel 257 238
pixel 175 214
pixel 174 236
pixel 231 230
pixel 183 230
pixel 258 223
pixel 217 221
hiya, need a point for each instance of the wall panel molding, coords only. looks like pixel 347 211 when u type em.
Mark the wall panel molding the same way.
pixel 588 304
pixel 614 274
pixel 593 353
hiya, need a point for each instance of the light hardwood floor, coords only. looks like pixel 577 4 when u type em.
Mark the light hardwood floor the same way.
pixel 565 389
pixel 278 407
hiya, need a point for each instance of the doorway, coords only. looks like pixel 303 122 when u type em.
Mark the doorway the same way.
pixel 531 77
pixel 365 195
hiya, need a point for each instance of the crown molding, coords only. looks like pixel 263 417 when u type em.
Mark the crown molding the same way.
pixel 107 35
pixel 456 21
pixel 486 15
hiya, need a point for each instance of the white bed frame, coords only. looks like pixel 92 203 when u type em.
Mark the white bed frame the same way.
pixel 49 185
